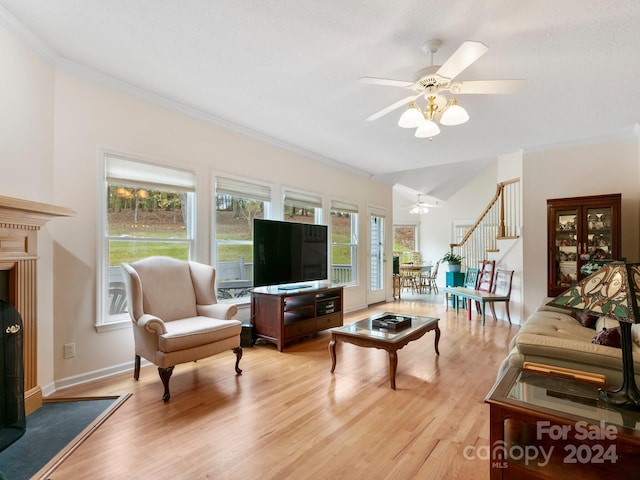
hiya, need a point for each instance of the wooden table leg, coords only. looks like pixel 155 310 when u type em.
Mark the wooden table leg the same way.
pixel 332 351
pixel 437 329
pixel 393 366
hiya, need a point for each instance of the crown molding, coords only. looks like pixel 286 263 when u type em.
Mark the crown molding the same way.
pixel 96 77
pixel 59 63
pixel 26 36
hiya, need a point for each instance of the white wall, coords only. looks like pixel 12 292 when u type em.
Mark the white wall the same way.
pixel 570 172
pixel 88 116
pixel 26 166
pixel 465 205
pixel 54 119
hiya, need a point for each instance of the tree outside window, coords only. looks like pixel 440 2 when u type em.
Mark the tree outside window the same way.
pixel 344 244
pixel 148 211
pixel 405 242
pixel 238 203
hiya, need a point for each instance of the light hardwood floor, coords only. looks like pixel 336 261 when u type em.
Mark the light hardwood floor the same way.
pixel 286 416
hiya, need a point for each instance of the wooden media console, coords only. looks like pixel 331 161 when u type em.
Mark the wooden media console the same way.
pixel 282 316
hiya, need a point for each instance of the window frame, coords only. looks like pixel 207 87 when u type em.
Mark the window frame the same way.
pixel 243 188
pixel 344 207
pixel 402 254
pixel 113 169
pixel 300 199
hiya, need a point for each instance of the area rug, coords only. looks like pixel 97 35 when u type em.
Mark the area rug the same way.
pixel 53 432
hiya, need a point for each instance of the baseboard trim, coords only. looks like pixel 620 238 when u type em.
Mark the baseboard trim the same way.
pixel 94 375
pixel 32 399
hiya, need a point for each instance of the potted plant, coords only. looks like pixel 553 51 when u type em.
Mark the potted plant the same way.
pixel 454 261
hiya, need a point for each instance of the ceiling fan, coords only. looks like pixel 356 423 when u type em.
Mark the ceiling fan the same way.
pixel 422 207
pixel 432 81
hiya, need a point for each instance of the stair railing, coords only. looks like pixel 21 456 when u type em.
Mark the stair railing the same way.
pixel 499 220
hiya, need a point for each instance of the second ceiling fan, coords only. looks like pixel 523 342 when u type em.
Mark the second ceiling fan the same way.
pixel 432 81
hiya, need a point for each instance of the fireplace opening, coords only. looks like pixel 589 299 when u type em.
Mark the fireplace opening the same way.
pixel 4 285
pixel 12 412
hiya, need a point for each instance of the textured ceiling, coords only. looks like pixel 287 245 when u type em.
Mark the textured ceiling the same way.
pixel 286 70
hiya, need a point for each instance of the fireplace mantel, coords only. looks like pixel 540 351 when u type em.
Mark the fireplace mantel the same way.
pixel 20 221
pixel 27 213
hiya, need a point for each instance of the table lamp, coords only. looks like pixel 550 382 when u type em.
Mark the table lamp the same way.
pixel 612 291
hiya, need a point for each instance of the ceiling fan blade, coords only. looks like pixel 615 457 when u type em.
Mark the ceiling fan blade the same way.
pixel 489 86
pixel 466 54
pixel 385 81
pixel 392 107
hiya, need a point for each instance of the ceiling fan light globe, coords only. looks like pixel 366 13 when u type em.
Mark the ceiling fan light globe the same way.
pixel 454 115
pixel 427 129
pixel 411 117
pixel 418 210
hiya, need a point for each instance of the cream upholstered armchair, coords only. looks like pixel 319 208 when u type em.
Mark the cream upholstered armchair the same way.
pixel 175 314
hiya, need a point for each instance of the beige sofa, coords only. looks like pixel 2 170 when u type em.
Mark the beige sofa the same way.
pixel 553 337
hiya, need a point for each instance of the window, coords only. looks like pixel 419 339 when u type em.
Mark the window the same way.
pixel 149 211
pixel 405 242
pixel 301 207
pixel 344 243
pixel 376 260
pixel 237 204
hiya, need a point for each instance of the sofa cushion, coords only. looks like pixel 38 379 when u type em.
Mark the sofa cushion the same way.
pixel 586 319
pixel 580 352
pixel 606 322
pixel 552 336
pixel 609 337
pixel 552 323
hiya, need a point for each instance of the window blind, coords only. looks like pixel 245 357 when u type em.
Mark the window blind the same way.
pixel 239 188
pixel 344 207
pixel 131 172
pixel 302 200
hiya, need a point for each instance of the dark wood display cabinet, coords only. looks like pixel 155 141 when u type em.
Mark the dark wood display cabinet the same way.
pixel 580 230
pixel 283 316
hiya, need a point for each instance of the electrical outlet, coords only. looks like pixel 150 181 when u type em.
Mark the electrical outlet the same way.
pixel 69 350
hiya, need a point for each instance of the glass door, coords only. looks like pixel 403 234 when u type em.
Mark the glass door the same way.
pixel 599 241
pixel 376 262
pixel 567 238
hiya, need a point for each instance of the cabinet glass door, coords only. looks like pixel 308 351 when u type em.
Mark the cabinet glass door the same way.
pixel 566 247
pixel 599 241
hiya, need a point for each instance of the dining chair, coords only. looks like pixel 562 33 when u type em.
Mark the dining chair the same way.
pixel 502 288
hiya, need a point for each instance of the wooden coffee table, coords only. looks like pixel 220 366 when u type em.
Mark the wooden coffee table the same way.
pixel 363 334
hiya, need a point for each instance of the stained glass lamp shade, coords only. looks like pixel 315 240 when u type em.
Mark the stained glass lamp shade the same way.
pixel 612 291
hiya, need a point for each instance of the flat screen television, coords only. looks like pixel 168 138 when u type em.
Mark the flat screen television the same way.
pixel 288 252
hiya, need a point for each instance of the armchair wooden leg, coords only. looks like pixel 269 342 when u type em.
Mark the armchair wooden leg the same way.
pixel 238 352
pixel 136 368
pixel 165 375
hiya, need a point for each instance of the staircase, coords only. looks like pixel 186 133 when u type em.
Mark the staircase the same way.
pixel 498 227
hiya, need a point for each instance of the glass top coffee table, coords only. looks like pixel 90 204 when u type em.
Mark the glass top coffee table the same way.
pixel 365 333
